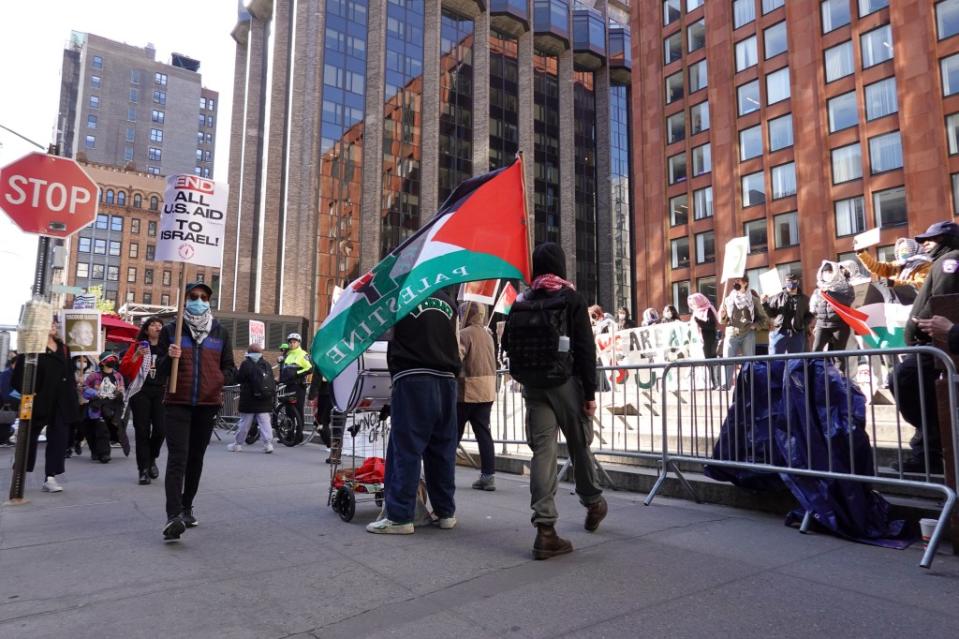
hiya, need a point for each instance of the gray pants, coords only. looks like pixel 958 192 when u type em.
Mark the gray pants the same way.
pixel 549 410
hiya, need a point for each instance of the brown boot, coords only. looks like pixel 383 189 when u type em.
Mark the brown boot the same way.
pixel 595 513
pixel 549 544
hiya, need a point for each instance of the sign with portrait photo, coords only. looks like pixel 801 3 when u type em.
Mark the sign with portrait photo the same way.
pixel 80 331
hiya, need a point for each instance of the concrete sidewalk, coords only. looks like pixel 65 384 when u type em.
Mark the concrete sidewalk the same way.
pixel 270 560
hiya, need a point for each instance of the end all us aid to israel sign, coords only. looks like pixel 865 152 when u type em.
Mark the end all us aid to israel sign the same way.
pixel 193 221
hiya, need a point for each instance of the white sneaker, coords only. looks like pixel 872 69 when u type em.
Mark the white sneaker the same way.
pixel 386 527
pixel 268 448
pixel 51 486
pixel 115 445
pixel 234 447
pixel 446 523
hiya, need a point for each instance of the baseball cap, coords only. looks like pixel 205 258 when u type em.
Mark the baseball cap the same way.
pixel 193 285
pixel 938 230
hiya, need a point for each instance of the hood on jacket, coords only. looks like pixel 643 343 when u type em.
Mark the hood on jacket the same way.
pixel 473 314
pixel 549 257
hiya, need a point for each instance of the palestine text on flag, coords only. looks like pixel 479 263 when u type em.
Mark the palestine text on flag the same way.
pixel 479 233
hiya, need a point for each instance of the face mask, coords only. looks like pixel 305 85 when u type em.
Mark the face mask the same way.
pixel 79 366
pixel 792 286
pixel 197 307
pixel 255 356
pixel 737 286
pixel 622 316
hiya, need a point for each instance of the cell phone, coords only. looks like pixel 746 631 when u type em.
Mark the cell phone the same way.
pixel 144 344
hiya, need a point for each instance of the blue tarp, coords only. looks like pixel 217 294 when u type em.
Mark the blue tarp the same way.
pixel 774 420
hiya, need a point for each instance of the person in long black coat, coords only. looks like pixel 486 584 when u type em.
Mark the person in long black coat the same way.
pixel 257 390
pixel 55 406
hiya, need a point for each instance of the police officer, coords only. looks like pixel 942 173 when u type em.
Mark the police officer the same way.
pixel 295 368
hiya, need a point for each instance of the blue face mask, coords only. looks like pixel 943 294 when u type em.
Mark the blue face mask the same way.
pixel 197 307
pixel 255 356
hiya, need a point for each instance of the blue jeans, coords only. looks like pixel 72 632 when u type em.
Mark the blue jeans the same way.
pixel 423 427
pixel 787 341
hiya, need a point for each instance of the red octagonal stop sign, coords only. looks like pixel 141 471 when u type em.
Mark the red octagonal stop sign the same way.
pixel 48 195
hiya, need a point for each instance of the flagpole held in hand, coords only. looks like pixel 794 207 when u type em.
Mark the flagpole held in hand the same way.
pixel 175 366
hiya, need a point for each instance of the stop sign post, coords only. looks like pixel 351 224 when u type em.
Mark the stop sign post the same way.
pixel 48 195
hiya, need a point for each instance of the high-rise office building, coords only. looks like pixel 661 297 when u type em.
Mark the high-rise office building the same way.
pixel 353 120
pixel 797 124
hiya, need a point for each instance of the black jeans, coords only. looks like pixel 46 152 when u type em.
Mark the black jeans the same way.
pixel 188 430
pixel 478 415
pixel 147 409
pixel 56 448
pixel 832 339
pixel 910 402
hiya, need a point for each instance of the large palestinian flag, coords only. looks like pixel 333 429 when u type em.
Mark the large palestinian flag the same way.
pixel 480 233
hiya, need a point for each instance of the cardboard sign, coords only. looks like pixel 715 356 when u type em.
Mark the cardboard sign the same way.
pixel 865 240
pixel 193 221
pixel 734 258
pixel 80 331
pixel 258 333
pixel 769 282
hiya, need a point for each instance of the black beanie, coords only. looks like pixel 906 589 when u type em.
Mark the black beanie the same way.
pixel 549 257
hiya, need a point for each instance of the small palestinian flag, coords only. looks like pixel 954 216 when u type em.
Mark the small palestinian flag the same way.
pixel 506 299
pixel 856 319
pixel 480 233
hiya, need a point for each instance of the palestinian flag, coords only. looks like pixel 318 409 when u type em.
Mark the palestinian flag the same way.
pixel 855 318
pixel 480 233
pixel 506 299
pixel 888 324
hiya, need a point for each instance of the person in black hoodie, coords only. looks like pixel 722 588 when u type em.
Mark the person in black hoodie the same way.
pixel 424 360
pixel 257 390
pixel 568 406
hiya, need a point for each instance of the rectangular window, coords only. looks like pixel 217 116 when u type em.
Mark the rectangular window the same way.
pixel 679 252
pixel 698 76
pixel 947 18
pixel 784 180
pixel 750 143
pixel 164 299
pixel 786 229
pixel 707 286
pixel 134 250
pixel 756 232
pixel 116 222
pixel 952 133
pixel 777 86
pixel 744 12
pixel 128 153
pixel 677 168
pixel 842 112
pixel 160 78
pixel 100 247
pixel 835 14
pixel 115 248
pixel 781 132
pixel 91 121
pixel 148 276
pixel 770 5
pixel 134 95
pixel 671 11
pixel 84 245
pixel 83 269
pixel 885 152
pixel 693 4
pixel 839 61
pixel 850 216
pixel 702 159
pixel 131 114
pixel 151 248
pixel 156 135
pixel 746 53
pixel 789 268
pixel 155 154
pixel 679 210
pixel 674 87
pixel 754 189
pixel 103 221
pixel 949 67
pixel 876 46
pixel 699 118
pixel 676 127
pixel 703 203
pixel 748 97
pixel 774 40
pixel 135 226
pixel 131 134
pixel 131 274
pixel 890 206
pixel 148 298
pixel 113 273
pixel 98 272
pixel 134 76
pixel 152 229
pixel 153 170
pixel 881 99
pixel 199 155
pixel 209 121
pixel 97 62
pixel 94 82
pixel 158 116
pixel 869 6
pixel 846 163
pixel 94 102
pixel 159 97
pixel 696 36
pixel 90 142
pixel 167 278
pixel 705 247
pixel 673 47
pixel 681 296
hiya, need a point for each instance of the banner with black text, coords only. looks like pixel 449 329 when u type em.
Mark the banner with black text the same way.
pixel 193 221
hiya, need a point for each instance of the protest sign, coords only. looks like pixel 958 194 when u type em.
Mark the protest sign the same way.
pixel 769 282
pixel 192 221
pixel 734 258
pixel 865 240
pixel 80 331
pixel 258 333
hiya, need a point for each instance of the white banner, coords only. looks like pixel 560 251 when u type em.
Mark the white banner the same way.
pixel 258 333
pixel 734 258
pixel 192 222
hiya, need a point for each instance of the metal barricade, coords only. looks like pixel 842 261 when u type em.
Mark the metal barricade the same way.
pixel 229 416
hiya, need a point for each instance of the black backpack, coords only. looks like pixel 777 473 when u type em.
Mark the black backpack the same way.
pixel 262 384
pixel 536 329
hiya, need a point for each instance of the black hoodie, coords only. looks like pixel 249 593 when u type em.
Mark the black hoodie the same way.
pixel 425 340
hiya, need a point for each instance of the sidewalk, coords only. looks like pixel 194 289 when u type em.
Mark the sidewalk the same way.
pixel 270 560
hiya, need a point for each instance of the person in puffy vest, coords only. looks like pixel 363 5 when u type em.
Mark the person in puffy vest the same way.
pixel 204 361
pixel 257 391
pixel 831 332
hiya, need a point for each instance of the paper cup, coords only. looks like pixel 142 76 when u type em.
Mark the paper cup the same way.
pixel 926 526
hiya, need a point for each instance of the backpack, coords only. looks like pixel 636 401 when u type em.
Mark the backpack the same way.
pixel 532 341
pixel 262 384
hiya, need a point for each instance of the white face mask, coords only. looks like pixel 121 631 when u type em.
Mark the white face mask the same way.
pixel 255 356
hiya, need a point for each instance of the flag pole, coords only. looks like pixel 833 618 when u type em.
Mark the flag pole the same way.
pixel 179 332
pixel 529 226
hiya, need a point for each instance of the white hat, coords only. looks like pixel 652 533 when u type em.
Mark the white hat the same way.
pixel 295 336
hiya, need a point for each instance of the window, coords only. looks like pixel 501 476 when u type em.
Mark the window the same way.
pixel 789 268
pixel 156 135
pixel 949 68
pixel 210 104
pixel 148 298
pixel 868 6
pixel 158 116
pixel 199 155
pixel 153 170
pixel 696 36
pixel 90 142
pixel 886 253
pixel 131 114
pixel 94 82
pixel 103 221
pixel 674 87
pixel 876 46
pixel 137 200
pixel 208 138
pixel 748 97
pixel 703 203
pixel 756 232
pixel 707 286
pixel 698 118
pixel 850 216
pixel 952 133
pixel 201 120
pixel 693 4
pixel 839 61
pixel 159 97
pixel 200 277
pixel 947 18
pixel 128 153
pixel 677 168
pixel 890 206
pixel 199 137
pixel 842 112
pixel 160 78
pixel 781 132
pixel 885 152
pixel 777 86
pixel 774 40
pixel 83 269
pixel 135 226
pixel 744 12
pixel 99 271
pixel 155 154
pixel 750 143
pixel 705 247
pixel 84 245
pixel 746 54
pixel 698 76
pixel 115 248
pixel 91 121
pixel 786 229
pixel 113 273
pixel 94 102
pixel 846 163
pixel 131 134
pixel 209 121
pixel 167 278
pixel 131 274
pixel 134 95
pixel 754 189
pixel 165 299
pixel 148 276
pixel 679 250
pixel 134 250
pixel 676 127
pixel 770 5
pixel 835 13
pixel 702 159
pixel 130 297
pixel 97 62
pixel 673 47
pixel 202 103
pixel 678 210
pixel 681 296
pixel 116 222
pixel 881 99
pixel 100 247
pixel 151 226
pixel 784 180
pixel 134 76
pixel 152 249
pixel 671 11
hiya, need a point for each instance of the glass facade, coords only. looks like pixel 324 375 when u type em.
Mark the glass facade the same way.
pixel 584 136
pixel 456 102
pixel 619 180
pixel 546 149
pixel 503 99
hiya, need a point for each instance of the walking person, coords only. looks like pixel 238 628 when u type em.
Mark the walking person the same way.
pixel 742 313
pixel 789 311
pixel 257 392
pixel 704 315
pixel 294 371
pixel 143 368
pixel 55 406
pixel 103 390
pixel 559 384
pixel 83 366
pixel 477 388
pixel 204 361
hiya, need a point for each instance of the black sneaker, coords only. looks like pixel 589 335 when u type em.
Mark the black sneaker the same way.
pixel 144 478
pixel 188 519
pixel 154 471
pixel 173 529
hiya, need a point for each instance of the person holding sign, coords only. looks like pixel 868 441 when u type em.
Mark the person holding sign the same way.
pixel 204 361
pixel 742 313
pixel 909 269
pixel 790 314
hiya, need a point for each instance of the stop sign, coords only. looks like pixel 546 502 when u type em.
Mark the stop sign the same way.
pixel 48 195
